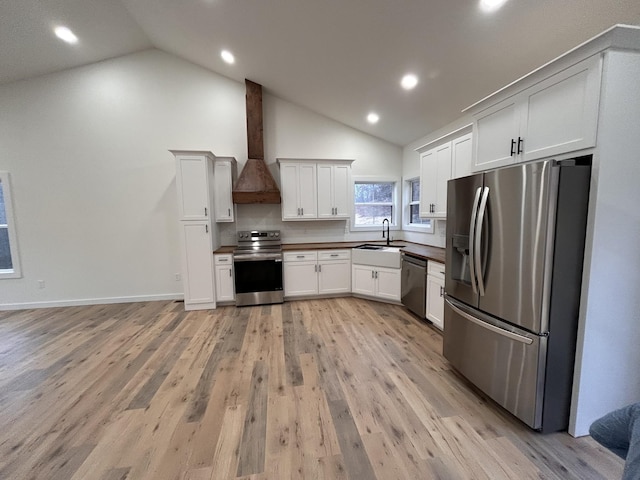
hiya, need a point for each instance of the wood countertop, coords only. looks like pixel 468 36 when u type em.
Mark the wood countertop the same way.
pixel 414 249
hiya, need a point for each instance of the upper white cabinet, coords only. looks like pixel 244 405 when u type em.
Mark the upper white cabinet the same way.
pixel 461 156
pixel 333 190
pixel 224 174
pixel 193 181
pixel 445 158
pixel 556 115
pixel 315 189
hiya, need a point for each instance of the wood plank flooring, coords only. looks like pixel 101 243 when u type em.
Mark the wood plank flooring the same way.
pixel 316 389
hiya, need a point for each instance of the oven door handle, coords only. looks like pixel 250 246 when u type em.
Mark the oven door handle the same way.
pixel 252 257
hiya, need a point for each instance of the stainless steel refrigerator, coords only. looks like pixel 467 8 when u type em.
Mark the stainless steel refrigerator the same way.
pixel 515 247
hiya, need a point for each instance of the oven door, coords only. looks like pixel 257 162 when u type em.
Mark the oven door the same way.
pixel 258 278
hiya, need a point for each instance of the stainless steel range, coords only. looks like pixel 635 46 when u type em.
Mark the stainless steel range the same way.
pixel 257 264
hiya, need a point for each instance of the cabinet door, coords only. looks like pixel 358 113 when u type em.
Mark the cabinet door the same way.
pixel 289 190
pixel 223 201
pixel 192 181
pixel 325 191
pixel 197 264
pixel 562 111
pixel 435 301
pixel 443 175
pixel 388 283
pixel 428 182
pixel 224 283
pixel 300 278
pixel 334 277
pixel 494 131
pixel 308 199
pixel 341 190
pixel 362 280
pixel 461 156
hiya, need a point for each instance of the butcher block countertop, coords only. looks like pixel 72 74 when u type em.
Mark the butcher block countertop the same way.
pixel 414 249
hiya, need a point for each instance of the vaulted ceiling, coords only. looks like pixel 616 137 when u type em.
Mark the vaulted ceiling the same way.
pixel 340 58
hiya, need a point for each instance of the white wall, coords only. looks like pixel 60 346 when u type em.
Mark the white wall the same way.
pixel 411 169
pixel 94 183
pixel 608 355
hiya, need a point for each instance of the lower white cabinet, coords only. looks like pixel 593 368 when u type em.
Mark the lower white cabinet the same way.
pixel 197 265
pixel 435 293
pixel 225 291
pixel 380 282
pixel 322 272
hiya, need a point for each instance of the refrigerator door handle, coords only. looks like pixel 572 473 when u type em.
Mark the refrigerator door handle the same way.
pixel 478 240
pixel 488 326
pixel 472 233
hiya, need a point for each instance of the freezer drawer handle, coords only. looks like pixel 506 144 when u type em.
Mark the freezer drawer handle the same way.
pixel 488 326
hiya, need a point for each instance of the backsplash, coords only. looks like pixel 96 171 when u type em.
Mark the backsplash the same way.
pixel 269 217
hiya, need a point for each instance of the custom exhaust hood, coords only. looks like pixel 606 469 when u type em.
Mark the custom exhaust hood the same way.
pixel 255 183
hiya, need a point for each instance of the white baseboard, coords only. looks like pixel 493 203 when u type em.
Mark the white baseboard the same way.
pixel 91 301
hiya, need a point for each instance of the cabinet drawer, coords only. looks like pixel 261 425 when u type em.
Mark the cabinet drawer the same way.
pixel 300 256
pixel 436 269
pixel 334 255
pixel 223 259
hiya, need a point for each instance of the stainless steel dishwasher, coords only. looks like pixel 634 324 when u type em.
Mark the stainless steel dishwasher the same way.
pixel 414 284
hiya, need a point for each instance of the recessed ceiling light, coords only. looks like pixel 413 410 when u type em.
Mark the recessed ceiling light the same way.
pixel 373 118
pixel 491 5
pixel 227 56
pixel 64 34
pixel 409 81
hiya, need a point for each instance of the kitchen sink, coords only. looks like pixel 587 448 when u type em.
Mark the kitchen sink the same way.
pixel 376 255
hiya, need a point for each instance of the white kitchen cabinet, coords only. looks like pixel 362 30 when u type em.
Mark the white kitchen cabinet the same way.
pixel 333 190
pixel 554 116
pixel 315 189
pixel 435 294
pixel 193 181
pixel 435 172
pixel 378 282
pixel 298 189
pixel 197 261
pixel 461 156
pixel 225 289
pixel 308 273
pixel 224 174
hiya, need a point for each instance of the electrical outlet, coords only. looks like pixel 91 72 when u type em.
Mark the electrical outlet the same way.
pixel 41 284
pixel 178 277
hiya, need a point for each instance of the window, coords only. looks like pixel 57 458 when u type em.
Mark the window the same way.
pixel 412 202
pixel 373 202
pixel 9 267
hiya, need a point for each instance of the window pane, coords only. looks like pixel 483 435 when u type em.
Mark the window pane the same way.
pixel 373 192
pixel 415 216
pixel 5 252
pixel 372 214
pixel 3 213
pixel 415 190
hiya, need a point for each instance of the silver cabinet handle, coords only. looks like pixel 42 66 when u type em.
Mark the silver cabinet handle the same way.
pixel 302 211
pixel 441 291
pixel 372 274
pixel 229 210
pixel 319 268
pixel 230 273
pixel 206 228
pixel 335 255
pixel 205 211
pixel 315 268
pixel 376 275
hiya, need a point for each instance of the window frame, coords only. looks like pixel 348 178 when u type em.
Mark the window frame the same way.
pixel 396 205
pixel 14 272
pixel 406 207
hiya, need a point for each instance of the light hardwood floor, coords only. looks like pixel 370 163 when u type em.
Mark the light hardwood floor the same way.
pixel 326 389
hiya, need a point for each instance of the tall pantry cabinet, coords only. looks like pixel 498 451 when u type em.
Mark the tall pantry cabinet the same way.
pixel 194 183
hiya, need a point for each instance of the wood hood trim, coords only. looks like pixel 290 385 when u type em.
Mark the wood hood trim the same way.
pixel 255 183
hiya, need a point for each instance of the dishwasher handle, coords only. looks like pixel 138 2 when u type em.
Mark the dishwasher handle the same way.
pixel 414 261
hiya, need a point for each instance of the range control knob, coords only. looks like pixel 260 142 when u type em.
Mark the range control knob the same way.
pixel 277 234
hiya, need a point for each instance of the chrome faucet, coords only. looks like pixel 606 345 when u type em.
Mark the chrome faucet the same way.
pixel 383 236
